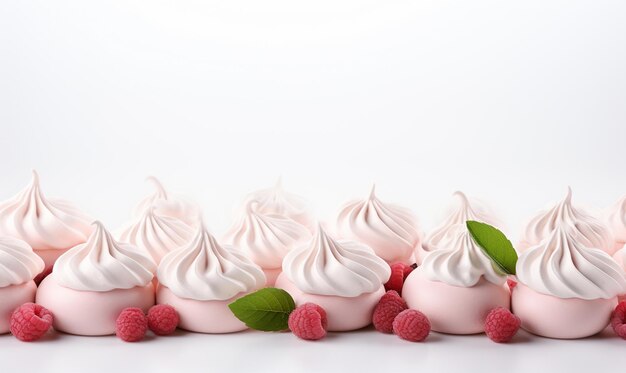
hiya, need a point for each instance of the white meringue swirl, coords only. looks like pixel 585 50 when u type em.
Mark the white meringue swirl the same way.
pixel 459 261
pixel 277 201
pixel 391 230
pixel 205 270
pixel 324 266
pixel 166 204
pixel 18 262
pixel 44 223
pixel 266 239
pixel 157 235
pixel 589 231
pixel 563 267
pixel 103 264
pixel 617 221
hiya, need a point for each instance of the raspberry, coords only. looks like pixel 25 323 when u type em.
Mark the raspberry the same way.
pixel 30 321
pixel 308 321
pixel 388 307
pixel 411 325
pixel 131 325
pixel 512 284
pixel 162 319
pixel 399 271
pixel 618 320
pixel 42 275
pixel 501 325
pixel 409 269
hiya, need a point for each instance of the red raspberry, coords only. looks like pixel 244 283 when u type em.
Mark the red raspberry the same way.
pixel 411 325
pixel 30 321
pixel 162 319
pixel 388 307
pixel 501 325
pixel 42 275
pixel 409 269
pixel 399 271
pixel 512 284
pixel 618 320
pixel 131 325
pixel 308 321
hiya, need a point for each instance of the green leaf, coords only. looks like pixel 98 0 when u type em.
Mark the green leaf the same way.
pixel 495 244
pixel 267 309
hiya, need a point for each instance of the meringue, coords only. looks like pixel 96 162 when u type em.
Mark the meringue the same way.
pixel 204 270
pixel 339 268
pixel 277 201
pixel 391 230
pixel 48 225
pixel 562 266
pixel 18 262
pixel 617 222
pixel 103 264
pixel 166 204
pixel 589 231
pixel 156 234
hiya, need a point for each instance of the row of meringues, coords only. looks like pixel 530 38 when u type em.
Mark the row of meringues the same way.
pixel 568 281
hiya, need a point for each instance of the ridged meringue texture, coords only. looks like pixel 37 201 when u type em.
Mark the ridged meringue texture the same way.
pixel 156 234
pixel 589 231
pixel 617 222
pixel 266 238
pixel 391 230
pixel 166 204
pixel 205 270
pixel 18 262
pixel 463 212
pixel 103 264
pixel 324 266
pixel 562 266
pixel 277 201
pixel 459 261
pixel 44 223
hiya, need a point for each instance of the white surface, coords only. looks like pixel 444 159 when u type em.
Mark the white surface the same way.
pixel 508 101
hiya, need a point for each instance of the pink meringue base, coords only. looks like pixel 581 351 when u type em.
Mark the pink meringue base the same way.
pixel 12 297
pixel 343 313
pixel 202 316
pixel 49 257
pixel 271 274
pixel 454 309
pixel 90 312
pixel 553 317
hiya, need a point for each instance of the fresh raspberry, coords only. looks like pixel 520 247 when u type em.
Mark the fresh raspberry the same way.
pixel 409 269
pixel 512 283
pixel 30 321
pixel 618 320
pixel 396 280
pixel 501 325
pixel 388 307
pixel 162 319
pixel 411 325
pixel 308 321
pixel 131 325
pixel 42 275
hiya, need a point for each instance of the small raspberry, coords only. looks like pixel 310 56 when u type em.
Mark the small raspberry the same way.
pixel 618 320
pixel 162 319
pixel 409 269
pixel 411 325
pixel 131 325
pixel 512 284
pixel 308 321
pixel 396 280
pixel 388 307
pixel 501 325
pixel 30 321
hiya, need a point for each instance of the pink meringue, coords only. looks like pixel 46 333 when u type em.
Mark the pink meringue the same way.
pixel 166 204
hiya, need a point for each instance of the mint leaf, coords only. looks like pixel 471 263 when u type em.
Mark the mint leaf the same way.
pixel 495 244
pixel 267 309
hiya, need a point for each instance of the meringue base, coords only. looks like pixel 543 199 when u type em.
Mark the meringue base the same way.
pixel 271 274
pixel 90 312
pixel 454 309
pixel 343 313
pixel 553 317
pixel 49 257
pixel 13 296
pixel 202 316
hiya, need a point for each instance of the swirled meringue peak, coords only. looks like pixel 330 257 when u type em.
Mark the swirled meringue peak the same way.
pixel 617 222
pixel 156 234
pixel 590 231
pixel 103 264
pixel 44 223
pixel 324 266
pixel 277 201
pixel 166 204
pixel 18 262
pixel 466 210
pixel 459 261
pixel 391 230
pixel 266 238
pixel 563 267
pixel 205 270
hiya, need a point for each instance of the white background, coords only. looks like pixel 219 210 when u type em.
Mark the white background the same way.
pixel 508 101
